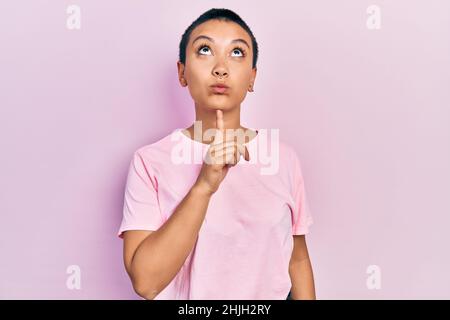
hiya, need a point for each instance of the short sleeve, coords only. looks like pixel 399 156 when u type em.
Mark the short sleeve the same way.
pixel 301 214
pixel 141 209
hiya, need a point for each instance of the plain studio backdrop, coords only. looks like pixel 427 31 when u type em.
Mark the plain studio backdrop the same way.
pixel 360 89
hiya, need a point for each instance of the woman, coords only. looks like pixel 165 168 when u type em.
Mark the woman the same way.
pixel 218 228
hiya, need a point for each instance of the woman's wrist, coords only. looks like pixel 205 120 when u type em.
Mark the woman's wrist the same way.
pixel 201 189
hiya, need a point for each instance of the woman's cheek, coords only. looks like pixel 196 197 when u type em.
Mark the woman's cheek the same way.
pixel 243 93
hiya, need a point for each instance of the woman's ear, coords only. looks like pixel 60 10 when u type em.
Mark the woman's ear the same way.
pixel 252 81
pixel 181 78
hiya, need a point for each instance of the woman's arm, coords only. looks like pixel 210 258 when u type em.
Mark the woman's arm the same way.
pixel 153 258
pixel 301 272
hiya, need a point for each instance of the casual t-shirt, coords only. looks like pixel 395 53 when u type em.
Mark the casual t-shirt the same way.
pixel 246 240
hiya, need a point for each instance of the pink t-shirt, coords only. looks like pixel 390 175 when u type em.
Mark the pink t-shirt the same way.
pixel 246 240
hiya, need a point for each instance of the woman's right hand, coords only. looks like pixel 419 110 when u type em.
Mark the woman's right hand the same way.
pixel 220 157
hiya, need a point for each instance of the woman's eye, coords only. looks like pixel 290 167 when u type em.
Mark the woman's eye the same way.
pixel 204 50
pixel 239 51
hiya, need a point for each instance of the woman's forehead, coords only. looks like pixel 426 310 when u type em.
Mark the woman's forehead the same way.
pixel 220 31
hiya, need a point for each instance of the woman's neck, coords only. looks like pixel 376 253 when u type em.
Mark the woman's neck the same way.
pixel 205 119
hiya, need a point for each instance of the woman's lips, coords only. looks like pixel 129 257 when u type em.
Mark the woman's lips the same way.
pixel 219 88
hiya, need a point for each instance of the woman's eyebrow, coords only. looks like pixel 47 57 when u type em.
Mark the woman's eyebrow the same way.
pixel 212 40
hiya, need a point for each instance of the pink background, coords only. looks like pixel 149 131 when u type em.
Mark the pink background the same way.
pixel 367 111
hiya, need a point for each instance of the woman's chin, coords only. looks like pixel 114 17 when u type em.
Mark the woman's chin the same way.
pixel 221 103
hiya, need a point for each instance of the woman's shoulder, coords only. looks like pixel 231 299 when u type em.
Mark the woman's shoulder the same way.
pixel 160 146
pixel 153 157
pixel 289 157
pixel 286 150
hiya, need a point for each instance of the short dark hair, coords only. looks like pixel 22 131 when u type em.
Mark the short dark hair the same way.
pixel 217 14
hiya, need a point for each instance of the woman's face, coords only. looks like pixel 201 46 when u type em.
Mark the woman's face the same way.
pixel 218 52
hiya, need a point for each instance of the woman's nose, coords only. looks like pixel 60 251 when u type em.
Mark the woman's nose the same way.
pixel 220 73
